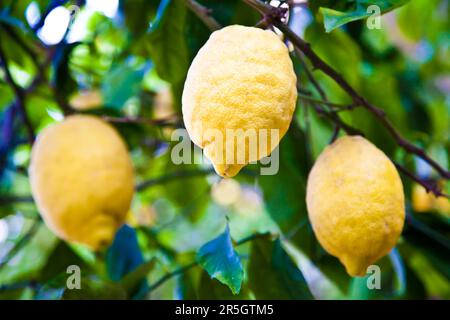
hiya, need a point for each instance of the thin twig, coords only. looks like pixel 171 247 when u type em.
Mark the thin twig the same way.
pixel 203 14
pixel 429 185
pixel 166 122
pixel 15 199
pixel 337 120
pixel 173 176
pixel 337 129
pixel 171 275
pixel 336 106
pixel 252 237
pixel 309 74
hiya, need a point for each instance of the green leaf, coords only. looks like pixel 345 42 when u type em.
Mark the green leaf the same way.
pixel 122 82
pixel 124 254
pixel 61 257
pixel 133 280
pixel 286 203
pixel 433 243
pixel 125 263
pixel 137 15
pixel 273 275
pixel 334 18
pixel 31 258
pixel 63 79
pixel 221 261
pixel 209 289
pixel 167 43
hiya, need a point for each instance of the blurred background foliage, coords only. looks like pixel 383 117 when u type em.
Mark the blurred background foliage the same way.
pixel 128 60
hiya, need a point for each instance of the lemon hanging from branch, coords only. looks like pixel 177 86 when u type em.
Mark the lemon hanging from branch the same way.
pixel 239 96
pixel 82 180
pixel 355 203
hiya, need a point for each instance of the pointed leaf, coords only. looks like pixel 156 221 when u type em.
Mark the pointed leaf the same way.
pixel 167 42
pixel 273 275
pixel 221 261
pixel 333 19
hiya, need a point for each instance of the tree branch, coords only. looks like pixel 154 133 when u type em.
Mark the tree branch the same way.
pixel 203 14
pixel 337 107
pixel 429 185
pixel 273 14
pixel 173 176
pixel 337 120
pixel 15 199
pixel 166 122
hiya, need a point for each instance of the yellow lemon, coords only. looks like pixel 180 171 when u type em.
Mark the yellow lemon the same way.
pixel 82 180
pixel 422 201
pixel 355 203
pixel 226 192
pixel 442 205
pixel 87 100
pixel 239 96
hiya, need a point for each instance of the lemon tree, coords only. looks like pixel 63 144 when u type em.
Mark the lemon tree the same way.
pixel 239 149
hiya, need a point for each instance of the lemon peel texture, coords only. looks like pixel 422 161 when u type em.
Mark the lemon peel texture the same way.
pixel 82 180
pixel 242 81
pixel 355 203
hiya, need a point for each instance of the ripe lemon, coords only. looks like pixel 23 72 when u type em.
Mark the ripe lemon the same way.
pixel 355 203
pixel 241 81
pixel 423 201
pixel 82 180
pixel 87 100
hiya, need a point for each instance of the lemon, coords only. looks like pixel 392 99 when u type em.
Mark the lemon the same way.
pixel 422 201
pixel 226 192
pixel 355 203
pixel 87 100
pixel 242 83
pixel 82 180
pixel 442 205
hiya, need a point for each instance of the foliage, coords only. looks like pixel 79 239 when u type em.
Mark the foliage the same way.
pixel 137 60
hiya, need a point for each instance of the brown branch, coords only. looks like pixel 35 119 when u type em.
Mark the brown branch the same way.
pixel 164 122
pixel 203 14
pixel 173 176
pixel 309 74
pixel 302 47
pixel 274 14
pixel 429 185
pixel 15 199
pixel 336 106
pixel 337 120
